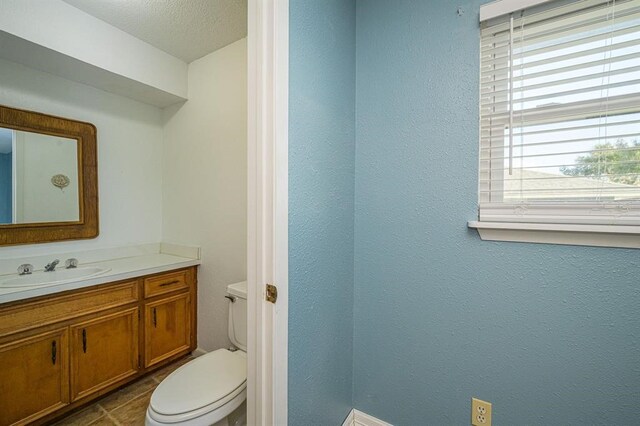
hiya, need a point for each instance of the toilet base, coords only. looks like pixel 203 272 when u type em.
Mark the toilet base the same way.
pixel 234 414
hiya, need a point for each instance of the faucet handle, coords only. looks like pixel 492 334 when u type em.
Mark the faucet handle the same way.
pixel 71 263
pixel 50 267
pixel 25 269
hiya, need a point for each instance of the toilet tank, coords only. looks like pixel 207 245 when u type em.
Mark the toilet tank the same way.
pixel 238 314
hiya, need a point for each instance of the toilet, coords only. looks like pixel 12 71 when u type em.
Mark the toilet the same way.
pixel 205 391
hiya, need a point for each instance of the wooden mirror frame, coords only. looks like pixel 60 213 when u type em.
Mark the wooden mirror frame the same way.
pixel 85 133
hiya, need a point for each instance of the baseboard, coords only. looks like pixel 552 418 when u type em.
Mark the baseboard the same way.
pixel 198 352
pixel 350 420
pixel 358 418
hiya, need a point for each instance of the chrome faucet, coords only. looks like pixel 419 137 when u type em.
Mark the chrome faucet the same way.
pixel 50 267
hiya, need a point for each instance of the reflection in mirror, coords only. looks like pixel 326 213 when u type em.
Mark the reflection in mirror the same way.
pixel 38 178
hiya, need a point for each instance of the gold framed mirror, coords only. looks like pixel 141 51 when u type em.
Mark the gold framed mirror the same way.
pixel 48 178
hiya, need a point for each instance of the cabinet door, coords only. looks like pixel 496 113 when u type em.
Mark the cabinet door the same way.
pixel 34 377
pixel 167 328
pixel 104 351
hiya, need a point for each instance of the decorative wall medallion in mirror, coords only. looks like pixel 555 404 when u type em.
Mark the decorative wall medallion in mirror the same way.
pixel 48 178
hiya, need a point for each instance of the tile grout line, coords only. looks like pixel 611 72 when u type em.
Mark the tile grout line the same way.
pixel 135 396
pixel 113 419
pixel 107 413
pixel 104 414
pixel 118 406
pixel 61 421
pixel 101 408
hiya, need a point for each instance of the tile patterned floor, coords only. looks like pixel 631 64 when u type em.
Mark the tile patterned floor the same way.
pixel 126 407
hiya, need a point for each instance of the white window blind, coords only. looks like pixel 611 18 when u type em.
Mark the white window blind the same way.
pixel 560 114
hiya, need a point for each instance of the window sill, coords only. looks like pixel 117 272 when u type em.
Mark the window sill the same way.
pixel 549 233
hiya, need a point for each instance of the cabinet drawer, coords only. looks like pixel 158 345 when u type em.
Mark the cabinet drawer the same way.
pixel 25 316
pixel 166 283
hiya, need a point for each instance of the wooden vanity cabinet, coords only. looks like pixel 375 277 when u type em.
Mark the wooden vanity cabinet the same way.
pixel 169 314
pixel 60 351
pixel 104 351
pixel 33 376
pixel 167 328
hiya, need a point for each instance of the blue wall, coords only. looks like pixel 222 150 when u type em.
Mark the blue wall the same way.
pixel 321 197
pixel 549 334
pixel 5 188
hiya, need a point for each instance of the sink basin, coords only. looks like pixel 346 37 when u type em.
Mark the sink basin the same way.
pixel 41 278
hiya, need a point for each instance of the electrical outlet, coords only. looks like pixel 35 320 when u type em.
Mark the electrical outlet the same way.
pixel 480 412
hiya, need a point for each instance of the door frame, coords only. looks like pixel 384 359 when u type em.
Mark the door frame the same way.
pixel 267 232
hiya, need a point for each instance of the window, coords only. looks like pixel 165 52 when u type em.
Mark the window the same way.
pixel 560 115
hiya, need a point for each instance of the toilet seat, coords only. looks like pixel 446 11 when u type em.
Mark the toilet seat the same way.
pixel 205 389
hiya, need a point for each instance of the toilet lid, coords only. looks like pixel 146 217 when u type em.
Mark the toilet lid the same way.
pixel 205 381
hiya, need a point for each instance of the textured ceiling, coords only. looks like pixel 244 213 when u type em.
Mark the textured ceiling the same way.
pixel 186 29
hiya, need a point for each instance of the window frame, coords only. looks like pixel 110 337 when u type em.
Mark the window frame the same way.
pixel 554 231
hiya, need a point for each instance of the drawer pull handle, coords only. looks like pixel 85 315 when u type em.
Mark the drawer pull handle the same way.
pixel 54 352
pixel 169 283
pixel 84 340
pixel 155 319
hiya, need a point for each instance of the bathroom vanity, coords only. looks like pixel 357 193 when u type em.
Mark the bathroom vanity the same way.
pixel 60 350
pixel 68 336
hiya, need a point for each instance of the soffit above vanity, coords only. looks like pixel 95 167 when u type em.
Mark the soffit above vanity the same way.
pixel 186 29
pixel 138 49
pixel 59 39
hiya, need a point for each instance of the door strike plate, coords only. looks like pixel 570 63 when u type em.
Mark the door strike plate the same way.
pixel 272 293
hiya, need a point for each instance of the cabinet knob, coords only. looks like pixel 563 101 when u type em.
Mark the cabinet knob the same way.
pixel 84 340
pixel 155 319
pixel 54 352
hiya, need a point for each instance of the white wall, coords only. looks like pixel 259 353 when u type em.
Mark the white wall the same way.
pixel 205 180
pixel 129 155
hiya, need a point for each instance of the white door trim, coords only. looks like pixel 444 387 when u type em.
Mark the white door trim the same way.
pixel 267 245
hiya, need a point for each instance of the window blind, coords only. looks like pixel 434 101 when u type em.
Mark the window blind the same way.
pixel 560 114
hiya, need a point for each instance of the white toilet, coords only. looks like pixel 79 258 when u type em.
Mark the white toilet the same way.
pixel 206 390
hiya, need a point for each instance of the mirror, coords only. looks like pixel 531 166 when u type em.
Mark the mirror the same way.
pixel 38 178
pixel 48 178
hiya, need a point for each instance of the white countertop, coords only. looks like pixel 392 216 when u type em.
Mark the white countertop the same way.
pixel 119 269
